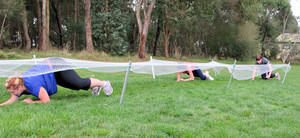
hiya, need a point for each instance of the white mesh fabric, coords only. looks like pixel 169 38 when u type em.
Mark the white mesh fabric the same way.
pixel 245 72
pixel 162 67
pixel 241 72
pixel 17 68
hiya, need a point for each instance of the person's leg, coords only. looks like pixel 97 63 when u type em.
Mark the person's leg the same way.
pixel 198 73
pixel 70 79
pixel 277 76
pixel 263 76
pixel 272 76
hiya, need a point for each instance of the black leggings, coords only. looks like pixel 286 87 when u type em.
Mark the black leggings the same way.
pixel 70 79
pixel 198 73
pixel 263 76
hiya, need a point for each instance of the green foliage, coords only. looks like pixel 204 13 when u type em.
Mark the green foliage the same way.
pixel 10 18
pixel 110 29
pixel 209 28
pixel 80 33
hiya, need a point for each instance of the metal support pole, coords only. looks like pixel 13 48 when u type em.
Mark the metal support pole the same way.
pixel 153 74
pixel 214 68
pixel 34 58
pixel 125 83
pixel 231 73
pixel 286 72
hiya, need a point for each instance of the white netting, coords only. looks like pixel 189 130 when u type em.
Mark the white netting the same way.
pixel 241 72
pixel 244 72
pixel 19 68
pixel 161 67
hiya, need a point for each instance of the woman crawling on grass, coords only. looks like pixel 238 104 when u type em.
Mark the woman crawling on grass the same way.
pixel 45 85
pixel 193 72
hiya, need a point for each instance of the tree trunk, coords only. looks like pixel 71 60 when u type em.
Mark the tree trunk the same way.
pixel 48 23
pixel 58 21
pixel 156 38
pixel 167 35
pixel 44 30
pixel 40 38
pixel 88 27
pixel 132 40
pixel 106 6
pixel 74 32
pixel 25 27
pixel 2 26
pixel 143 28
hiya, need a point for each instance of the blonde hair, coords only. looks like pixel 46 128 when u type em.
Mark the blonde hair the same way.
pixel 13 83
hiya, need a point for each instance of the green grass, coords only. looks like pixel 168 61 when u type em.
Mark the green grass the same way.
pixel 162 108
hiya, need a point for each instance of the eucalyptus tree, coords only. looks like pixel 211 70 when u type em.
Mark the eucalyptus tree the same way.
pixel 25 28
pixel 143 26
pixel 75 21
pixel 158 17
pixel 45 26
pixel 268 23
pixel 88 27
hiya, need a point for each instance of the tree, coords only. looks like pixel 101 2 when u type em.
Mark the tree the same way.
pixel 45 37
pixel 25 28
pixel 56 8
pixel 75 21
pixel 40 28
pixel 9 10
pixel 167 35
pixel 111 26
pixel 88 27
pixel 143 28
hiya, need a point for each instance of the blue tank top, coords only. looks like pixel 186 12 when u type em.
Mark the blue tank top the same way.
pixel 34 83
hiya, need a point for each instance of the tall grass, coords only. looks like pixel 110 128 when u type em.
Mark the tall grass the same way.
pixel 161 107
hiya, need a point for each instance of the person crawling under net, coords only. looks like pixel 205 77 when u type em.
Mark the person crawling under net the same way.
pixel 45 85
pixel 192 72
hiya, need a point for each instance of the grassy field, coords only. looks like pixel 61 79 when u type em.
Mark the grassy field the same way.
pixel 162 108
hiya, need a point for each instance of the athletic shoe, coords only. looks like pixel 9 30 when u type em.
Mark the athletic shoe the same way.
pixel 108 90
pixel 277 76
pixel 208 76
pixel 96 90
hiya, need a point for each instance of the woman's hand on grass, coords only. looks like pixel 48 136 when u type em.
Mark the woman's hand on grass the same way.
pixel 28 100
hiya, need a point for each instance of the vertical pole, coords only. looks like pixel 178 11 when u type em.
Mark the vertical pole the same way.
pixel 125 83
pixel 286 72
pixel 153 74
pixel 34 58
pixel 214 68
pixel 232 72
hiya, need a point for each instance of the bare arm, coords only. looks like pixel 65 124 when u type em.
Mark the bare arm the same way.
pixel 43 96
pixel 191 76
pixel 178 76
pixel 12 99
pixel 253 74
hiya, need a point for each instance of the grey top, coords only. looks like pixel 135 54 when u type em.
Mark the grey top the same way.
pixel 264 61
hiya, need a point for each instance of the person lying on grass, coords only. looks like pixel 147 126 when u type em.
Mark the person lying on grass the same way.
pixel 45 85
pixel 193 72
pixel 264 61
